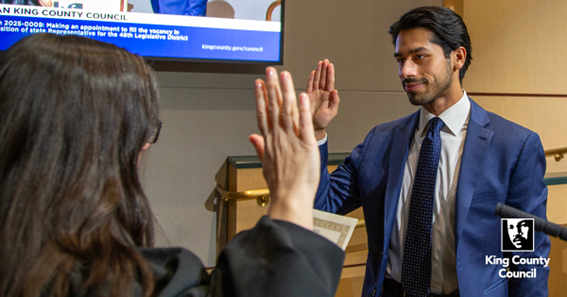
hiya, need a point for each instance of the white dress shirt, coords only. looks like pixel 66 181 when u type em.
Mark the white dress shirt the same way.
pixel 443 257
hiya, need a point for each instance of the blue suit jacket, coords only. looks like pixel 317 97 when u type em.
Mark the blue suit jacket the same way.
pixel 180 7
pixel 501 162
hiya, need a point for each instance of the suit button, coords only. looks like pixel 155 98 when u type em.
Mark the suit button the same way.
pixel 374 292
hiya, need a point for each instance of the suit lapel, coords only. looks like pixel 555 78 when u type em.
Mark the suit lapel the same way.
pixel 476 143
pixel 402 137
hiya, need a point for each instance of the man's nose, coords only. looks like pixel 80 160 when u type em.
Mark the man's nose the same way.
pixel 408 69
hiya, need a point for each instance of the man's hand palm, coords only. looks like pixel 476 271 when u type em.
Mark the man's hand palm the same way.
pixel 322 113
pixel 323 97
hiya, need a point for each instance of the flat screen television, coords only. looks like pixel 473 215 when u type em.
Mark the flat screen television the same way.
pixel 232 31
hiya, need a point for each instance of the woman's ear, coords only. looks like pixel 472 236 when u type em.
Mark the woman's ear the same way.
pixel 144 148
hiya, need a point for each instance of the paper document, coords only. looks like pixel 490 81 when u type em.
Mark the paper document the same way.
pixel 335 228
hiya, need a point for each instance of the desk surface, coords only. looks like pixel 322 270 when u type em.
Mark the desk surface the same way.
pixel 241 162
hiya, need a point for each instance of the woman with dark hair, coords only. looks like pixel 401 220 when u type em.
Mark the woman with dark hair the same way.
pixel 75 116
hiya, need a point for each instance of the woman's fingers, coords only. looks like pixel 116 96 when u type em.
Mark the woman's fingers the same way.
pixel 274 96
pixel 276 106
pixel 306 131
pixel 289 105
pixel 260 93
pixel 259 145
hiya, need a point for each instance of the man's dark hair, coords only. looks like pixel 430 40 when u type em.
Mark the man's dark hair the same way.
pixel 449 30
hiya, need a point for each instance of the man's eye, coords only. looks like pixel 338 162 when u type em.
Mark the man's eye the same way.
pixel 419 57
pixel 400 61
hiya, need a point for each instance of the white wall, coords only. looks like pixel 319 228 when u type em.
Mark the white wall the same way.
pixel 141 6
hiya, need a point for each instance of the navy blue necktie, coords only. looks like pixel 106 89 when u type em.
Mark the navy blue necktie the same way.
pixel 416 264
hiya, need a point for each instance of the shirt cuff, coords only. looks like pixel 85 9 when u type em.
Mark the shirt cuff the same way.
pixel 322 141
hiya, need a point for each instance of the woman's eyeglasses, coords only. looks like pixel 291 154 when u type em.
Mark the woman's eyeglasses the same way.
pixel 155 133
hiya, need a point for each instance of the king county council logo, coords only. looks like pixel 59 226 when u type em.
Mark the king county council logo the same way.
pixel 517 235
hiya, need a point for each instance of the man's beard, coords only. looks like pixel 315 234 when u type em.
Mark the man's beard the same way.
pixel 431 92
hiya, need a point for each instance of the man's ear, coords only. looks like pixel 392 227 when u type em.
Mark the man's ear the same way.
pixel 458 57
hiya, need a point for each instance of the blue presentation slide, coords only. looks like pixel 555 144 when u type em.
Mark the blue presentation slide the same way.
pixel 202 38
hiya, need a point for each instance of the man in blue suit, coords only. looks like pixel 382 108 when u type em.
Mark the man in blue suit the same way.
pixel 180 7
pixel 483 159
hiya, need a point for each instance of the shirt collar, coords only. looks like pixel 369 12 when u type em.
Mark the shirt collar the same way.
pixel 454 117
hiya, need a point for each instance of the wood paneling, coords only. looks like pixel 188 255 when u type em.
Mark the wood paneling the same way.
pixel 518 46
pixel 518 49
pixel 455 5
pixel 558 267
pixel 351 282
pixel 545 116
pixel 557 204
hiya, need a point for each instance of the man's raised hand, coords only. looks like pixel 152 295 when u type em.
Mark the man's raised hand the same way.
pixel 324 99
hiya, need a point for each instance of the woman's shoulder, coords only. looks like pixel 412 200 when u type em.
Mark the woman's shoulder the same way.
pixel 177 272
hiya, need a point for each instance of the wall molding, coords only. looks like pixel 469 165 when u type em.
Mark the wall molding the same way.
pixel 516 95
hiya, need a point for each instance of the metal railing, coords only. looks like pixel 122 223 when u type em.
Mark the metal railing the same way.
pixel 558 153
pixel 262 196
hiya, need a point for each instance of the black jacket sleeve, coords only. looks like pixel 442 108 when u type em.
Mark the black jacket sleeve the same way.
pixel 275 258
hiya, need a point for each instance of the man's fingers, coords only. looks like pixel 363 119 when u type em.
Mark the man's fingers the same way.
pixel 330 78
pixel 261 110
pixel 309 88
pixel 334 101
pixel 323 79
pixel 317 76
pixel 274 96
pixel 289 102
pixel 306 131
pixel 258 143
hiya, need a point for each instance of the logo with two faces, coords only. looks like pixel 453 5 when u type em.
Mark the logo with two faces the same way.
pixel 517 235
